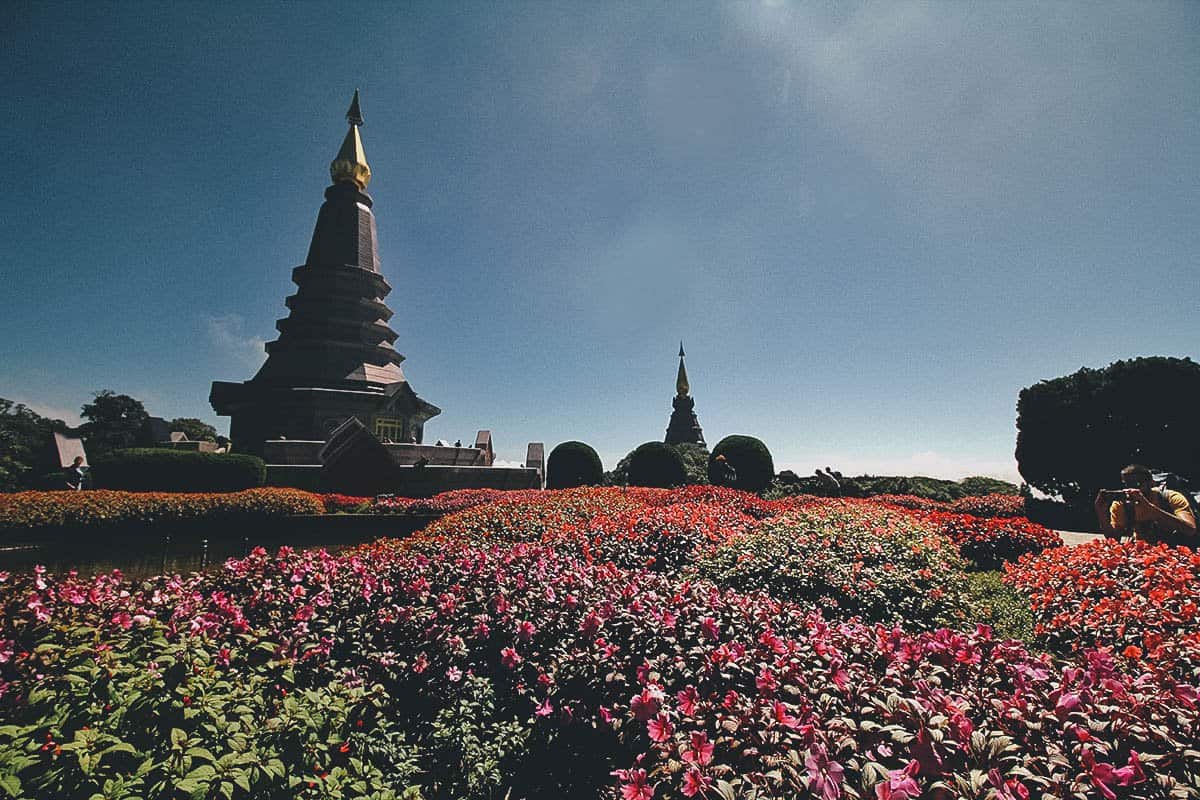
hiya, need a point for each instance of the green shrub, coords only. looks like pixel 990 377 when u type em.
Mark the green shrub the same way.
pixel 695 463
pixel 161 470
pixel 1003 607
pixel 750 459
pixel 573 464
pixel 981 485
pixel 877 564
pixel 656 464
pixel 140 715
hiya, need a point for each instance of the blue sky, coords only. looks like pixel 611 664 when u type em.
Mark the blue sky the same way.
pixel 871 225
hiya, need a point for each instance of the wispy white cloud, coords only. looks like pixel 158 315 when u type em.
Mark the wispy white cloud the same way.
pixel 67 415
pixel 967 105
pixel 228 335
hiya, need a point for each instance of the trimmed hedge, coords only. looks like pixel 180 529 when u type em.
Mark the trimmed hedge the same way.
pixel 658 465
pixel 28 511
pixel 160 470
pixel 573 464
pixel 751 460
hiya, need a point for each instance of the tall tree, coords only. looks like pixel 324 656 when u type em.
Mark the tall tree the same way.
pixel 23 434
pixel 1075 433
pixel 195 429
pixel 113 421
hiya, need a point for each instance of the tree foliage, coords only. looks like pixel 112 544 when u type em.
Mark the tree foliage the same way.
pixel 1075 433
pixel 114 422
pixel 23 435
pixel 695 462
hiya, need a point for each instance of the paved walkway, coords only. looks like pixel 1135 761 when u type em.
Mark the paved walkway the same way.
pixel 1075 537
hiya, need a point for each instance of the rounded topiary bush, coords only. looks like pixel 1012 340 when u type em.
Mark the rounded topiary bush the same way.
pixel 751 462
pixel 656 464
pixel 573 464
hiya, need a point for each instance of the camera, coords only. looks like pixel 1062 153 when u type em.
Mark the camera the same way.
pixel 1120 494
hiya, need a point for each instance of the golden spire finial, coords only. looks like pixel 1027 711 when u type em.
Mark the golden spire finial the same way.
pixel 681 381
pixel 350 165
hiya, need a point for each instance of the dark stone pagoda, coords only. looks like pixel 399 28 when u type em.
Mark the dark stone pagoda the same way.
pixel 334 358
pixel 683 428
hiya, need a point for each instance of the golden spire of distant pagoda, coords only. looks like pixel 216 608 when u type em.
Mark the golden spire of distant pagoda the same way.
pixel 681 381
pixel 350 165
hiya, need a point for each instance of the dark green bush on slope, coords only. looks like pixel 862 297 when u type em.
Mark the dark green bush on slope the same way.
pixel 751 460
pixel 656 464
pixel 573 464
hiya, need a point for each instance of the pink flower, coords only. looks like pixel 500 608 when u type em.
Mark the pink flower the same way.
pixel 709 626
pixel 454 674
pixel 824 774
pixel 783 717
pixel 545 709
pixel 633 784
pixel 1105 775
pixel 646 705
pixel 123 619
pixel 688 698
pixel 701 752
pixel 510 658
pixel 766 682
pixel 591 623
pixel 694 783
pixel 525 630
pixel 1010 789
pixel 899 784
pixel 660 728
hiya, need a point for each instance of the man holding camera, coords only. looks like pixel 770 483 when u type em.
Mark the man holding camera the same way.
pixel 1142 511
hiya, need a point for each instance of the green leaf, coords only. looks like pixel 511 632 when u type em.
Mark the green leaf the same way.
pixel 242 779
pixel 204 772
pixel 11 784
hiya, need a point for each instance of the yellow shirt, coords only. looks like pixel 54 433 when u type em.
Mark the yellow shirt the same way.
pixel 1143 525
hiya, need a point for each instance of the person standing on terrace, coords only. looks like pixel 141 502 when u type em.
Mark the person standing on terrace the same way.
pixel 1158 514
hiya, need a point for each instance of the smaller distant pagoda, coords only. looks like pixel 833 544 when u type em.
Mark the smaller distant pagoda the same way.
pixel 683 428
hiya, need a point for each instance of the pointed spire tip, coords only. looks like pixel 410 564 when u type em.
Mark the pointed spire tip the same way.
pixel 354 115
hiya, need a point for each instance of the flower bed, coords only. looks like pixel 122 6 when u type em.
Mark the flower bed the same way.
pixel 990 542
pixel 1140 600
pixel 481 661
pixel 104 508
pixel 990 505
pixel 346 504
pixel 855 559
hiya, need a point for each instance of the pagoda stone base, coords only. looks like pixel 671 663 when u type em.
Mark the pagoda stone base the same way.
pixel 261 413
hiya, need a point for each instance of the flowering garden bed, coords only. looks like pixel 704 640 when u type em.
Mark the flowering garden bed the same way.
pixel 610 643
